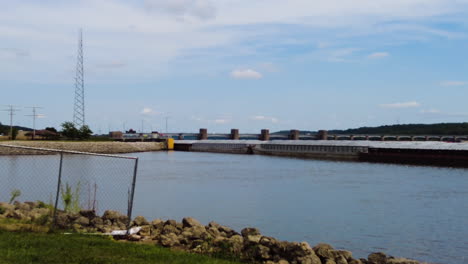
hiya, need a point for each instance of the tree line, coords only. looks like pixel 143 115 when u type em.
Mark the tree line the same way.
pixel 69 131
pixel 406 129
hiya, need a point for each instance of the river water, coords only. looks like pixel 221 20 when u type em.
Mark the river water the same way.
pixel 408 211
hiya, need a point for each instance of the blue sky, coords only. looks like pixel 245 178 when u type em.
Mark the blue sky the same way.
pixel 297 64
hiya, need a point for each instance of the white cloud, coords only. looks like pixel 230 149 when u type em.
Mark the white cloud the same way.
pixel 112 64
pixel 149 111
pixel 378 55
pixel 453 83
pixel 401 105
pixel 201 9
pixel 269 67
pixel 341 55
pixel 430 111
pixel 264 118
pixel 11 53
pixel 221 121
pixel 438 113
pixel 246 74
pixel 152 33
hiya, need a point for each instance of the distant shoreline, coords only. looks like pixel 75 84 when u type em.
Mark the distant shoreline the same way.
pixel 85 146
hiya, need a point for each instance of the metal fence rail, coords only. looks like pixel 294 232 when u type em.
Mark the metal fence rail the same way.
pixel 68 180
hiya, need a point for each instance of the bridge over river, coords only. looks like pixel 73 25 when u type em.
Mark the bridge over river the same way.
pixel 321 135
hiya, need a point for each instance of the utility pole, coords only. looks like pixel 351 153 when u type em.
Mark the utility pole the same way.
pixel 12 109
pixel 34 115
pixel 166 123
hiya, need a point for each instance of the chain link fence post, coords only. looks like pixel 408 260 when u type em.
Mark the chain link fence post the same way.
pixel 132 196
pixel 59 182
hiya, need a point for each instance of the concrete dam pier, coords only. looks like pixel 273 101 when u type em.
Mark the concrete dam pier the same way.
pixel 407 152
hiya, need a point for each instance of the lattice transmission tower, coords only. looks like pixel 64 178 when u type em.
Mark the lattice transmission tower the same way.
pixel 79 107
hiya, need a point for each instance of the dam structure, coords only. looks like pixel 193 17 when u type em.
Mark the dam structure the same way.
pixel 405 152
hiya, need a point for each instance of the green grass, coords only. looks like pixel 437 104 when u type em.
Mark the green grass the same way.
pixel 28 247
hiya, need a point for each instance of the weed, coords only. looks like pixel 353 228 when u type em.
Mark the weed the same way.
pixel 2 210
pixel 70 198
pixel 14 194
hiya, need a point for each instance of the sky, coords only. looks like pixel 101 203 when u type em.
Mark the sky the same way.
pixel 275 64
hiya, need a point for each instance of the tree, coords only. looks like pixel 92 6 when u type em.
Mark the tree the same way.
pixel 15 133
pixel 69 130
pixel 85 132
pixel 51 129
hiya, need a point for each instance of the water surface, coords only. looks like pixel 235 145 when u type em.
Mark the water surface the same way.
pixel 408 211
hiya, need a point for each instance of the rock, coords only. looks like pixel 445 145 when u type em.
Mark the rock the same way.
pixel 157 223
pixel 312 259
pixel 214 224
pixel 196 232
pixel 171 222
pixel 170 229
pixel 32 205
pixel 97 221
pixel 228 232
pixel 347 255
pixel 324 251
pixel 214 232
pixel 169 240
pixel 73 216
pixel 262 253
pixel 237 243
pixel 254 239
pixel 300 249
pixel 140 221
pixel 90 214
pixel 250 231
pixel 7 207
pixel 22 206
pixel 283 261
pixel 354 261
pixel 114 217
pixel 134 237
pixel 17 214
pixel 82 221
pixel 190 222
pixel 329 261
pixel 401 261
pixel 340 260
pixel 268 242
pixel 77 227
pixel 40 215
pixel 62 221
pixel 377 258
pixel 145 231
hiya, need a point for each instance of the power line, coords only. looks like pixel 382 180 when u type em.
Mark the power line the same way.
pixel 12 109
pixel 34 116
pixel 79 106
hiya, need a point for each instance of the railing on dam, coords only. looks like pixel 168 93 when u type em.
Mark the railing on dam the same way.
pixel 321 135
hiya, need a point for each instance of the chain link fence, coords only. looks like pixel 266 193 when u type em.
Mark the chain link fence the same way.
pixel 67 180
